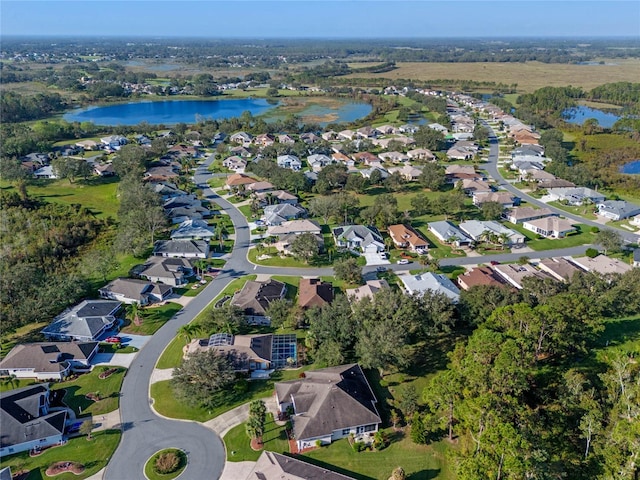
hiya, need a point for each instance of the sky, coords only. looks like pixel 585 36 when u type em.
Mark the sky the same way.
pixel 321 18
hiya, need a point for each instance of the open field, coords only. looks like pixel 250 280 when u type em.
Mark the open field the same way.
pixel 529 76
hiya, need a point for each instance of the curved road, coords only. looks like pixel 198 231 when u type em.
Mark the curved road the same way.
pixel 492 169
pixel 144 433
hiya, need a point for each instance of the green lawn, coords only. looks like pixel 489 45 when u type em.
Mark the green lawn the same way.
pixel 436 249
pixel 152 319
pixel 585 211
pixel 24 334
pixel 418 461
pixel 93 454
pixel 239 449
pixel 582 237
pixel 150 472
pixel 109 389
pixel 97 194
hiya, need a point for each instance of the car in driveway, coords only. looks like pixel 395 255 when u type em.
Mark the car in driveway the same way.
pixel 113 339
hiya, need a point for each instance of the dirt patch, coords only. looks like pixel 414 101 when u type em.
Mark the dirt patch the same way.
pixel 256 444
pixel 63 467
pixel 107 373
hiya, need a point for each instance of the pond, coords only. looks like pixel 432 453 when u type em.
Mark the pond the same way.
pixel 170 112
pixel 580 113
pixel 632 168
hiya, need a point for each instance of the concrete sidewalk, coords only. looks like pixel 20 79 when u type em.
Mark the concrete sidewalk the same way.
pixel 160 374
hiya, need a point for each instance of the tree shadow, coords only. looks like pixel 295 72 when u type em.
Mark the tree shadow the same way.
pixel 427 474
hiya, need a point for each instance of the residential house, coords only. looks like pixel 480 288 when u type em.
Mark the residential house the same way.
pixel 368 290
pixel 47 360
pixel 161 172
pixel 318 161
pixel 438 128
pixel 132 290
pixel 296 227
pixel 421 154
pixel 193 230
pixel 395 157
pixel 87 144
pixel 240 151
pixel 515 273
pixel 366 172
pixel 255 297
pixel 27 421
pixel 289 161
pixel 347 134
pixel 457 173
pixel 238 180
pixel 575 196
pixel 367 132
pixel 479 276
pixel 329 404
pixel 559 268
pixel 259 187
pixel 550 227
pixel 265 140
pixel 242 138
pixel 167 190
pixel 387 129
pixel 313 292
pixel 505 199
pixel 181 248
pixel 408 172
pixel 286 139
pixel 45 172
pixel 359 238
pixel 340 157
pixel 602 264
pixel 168 270
pixel 250 353
pixel 114 142
pixel 84 322
pixel 435 282
pixel 635 221
pixel 458 152
pixel 556 183
pixel 285 240
pixel 235 163
pixel 530 150
pixel 481 231
pixel 519 215
pixel 281 212
pixel 404 236
pixel 309 138
pixel 536 175
pixel 471 186
pixel 275 465
pixel 368 159
pixel 276 196
pixel 329 136
pixel 386 142
pixel 447 232
pixel 104 169
pixel 618 209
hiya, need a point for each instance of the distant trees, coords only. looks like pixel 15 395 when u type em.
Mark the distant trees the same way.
pixel 305 247
pixel 432 177
pixel 429 138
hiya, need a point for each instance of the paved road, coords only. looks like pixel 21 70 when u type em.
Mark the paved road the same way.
pixel 144 433
pixel 492 169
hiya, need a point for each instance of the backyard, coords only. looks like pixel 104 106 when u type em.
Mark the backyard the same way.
pixel 90 383
pixel 237 441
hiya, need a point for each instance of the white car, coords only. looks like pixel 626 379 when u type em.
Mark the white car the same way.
pixel 402 261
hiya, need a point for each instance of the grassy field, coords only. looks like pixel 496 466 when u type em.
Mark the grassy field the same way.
pixel 418 461
pixel 529 76
pixel 93 454
pixel 237 441
pixel 97 194
pixel 109 389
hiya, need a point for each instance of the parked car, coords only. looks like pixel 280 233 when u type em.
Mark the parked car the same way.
pixel 493 262
pixel 381 269
pixel 113 339
pixel 402 261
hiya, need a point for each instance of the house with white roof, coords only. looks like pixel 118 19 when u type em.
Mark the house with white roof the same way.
pixel 617 209
pixel 193 230
pixel 478 231
pixel 436 282
pixel 318 161
pixel 575 196
pixel 550 227
pixel 289 161
pixel 359 238
pixel 447 232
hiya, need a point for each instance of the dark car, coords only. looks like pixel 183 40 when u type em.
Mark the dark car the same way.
pixel 493 262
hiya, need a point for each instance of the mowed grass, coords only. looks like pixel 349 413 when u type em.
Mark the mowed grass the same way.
pixel 418 461
pixel 97 194
pixel 152 319
pixel 93 454
pixel 529 75
pixel 238 443
pixel 109 389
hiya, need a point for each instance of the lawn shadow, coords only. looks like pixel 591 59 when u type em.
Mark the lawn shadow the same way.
pixel 427 474
pixel 620 331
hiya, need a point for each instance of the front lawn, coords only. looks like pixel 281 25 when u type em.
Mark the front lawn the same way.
pixel 93 454
pixel 239 449
pixel 418 461
pixel 108 388
pixel 585 211
pixel 152 319
pixel 583 236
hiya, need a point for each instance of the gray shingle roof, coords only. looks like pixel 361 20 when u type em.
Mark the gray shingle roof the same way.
pixel 86 319
pixel 47 357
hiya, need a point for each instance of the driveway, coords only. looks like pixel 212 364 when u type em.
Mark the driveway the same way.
pixel 375 259
pixel 115 359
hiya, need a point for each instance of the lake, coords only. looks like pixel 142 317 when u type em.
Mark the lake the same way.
pixel 631 168
pixel 170 112
pixel 579 114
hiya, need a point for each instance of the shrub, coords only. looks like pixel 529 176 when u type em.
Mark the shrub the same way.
pixel 595 230
pixel 591 252
pixel 167 462
pixel 358 446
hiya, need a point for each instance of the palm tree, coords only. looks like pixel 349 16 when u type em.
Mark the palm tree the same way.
pixel 189 331
pixel 135 314
pixel 503 239
pixel 10 381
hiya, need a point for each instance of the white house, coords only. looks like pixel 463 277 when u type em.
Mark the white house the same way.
pixel 436 282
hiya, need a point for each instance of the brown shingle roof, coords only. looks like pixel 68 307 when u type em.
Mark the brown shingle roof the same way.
pixel 314 292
